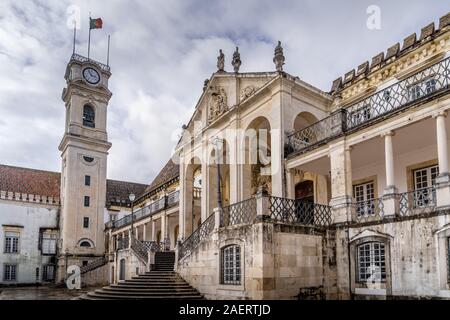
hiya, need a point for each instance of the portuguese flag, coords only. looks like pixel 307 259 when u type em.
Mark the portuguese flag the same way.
pixel 96 23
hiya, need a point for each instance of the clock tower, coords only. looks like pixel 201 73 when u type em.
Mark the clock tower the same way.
pixel 84 151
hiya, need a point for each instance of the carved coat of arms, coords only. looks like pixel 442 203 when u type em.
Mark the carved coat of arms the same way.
pixel 217 103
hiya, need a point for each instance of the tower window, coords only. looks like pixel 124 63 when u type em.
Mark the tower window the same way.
pixel 86 222
pixel 88 159
pixel 85 244
pixel 87 180
pixel 87 201
pixel 88 116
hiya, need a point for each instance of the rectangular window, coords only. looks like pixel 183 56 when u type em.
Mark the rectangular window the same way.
pixel 371 262
pixel 86 222
pixel 422 88
pixel 231 265
pixel 87 180
pixel 12 242
pixel 48 273
pixel 37 274
pixel 424 179
pixel 87 201
pixel 365 195
pixel 49 243
pixel 9 272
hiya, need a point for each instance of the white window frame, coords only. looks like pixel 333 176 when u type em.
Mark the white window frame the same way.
pixel 49 243
pixel 367 257
pixel 422 195
pixel 8 272
pixel 12 242
pixel 365 201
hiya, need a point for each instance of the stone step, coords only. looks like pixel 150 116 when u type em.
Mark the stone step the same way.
pixel 149 290
pixel 91 296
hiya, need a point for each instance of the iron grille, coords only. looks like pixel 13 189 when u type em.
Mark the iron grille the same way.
pixel 194 240
pixel 140 249
pixel 122 243
pixel 230 266
pixel 154 246
pixel 418 87
pixel 299 212
pixel 369 210
pixel 417 202
pixel 243 212
pixel 94 264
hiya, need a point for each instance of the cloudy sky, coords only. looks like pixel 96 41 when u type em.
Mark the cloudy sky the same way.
pixel 160 55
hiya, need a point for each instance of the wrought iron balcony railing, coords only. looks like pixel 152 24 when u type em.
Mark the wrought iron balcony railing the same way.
pixel 417 202
pixel 166 202
pixel 82 59
pixel 94 264
pixel 155 246
pixel 370 210
pixel 419 87
pixel 299 212
pixel 243 212
pixel 194 240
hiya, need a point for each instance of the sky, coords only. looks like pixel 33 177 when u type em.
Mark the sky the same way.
pixel 161 52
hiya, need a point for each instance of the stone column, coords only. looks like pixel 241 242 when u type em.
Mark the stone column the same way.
pixel 390 197
pixel 153 230
pixel 129 238
pixel 290 183
pixel 262 204
pixel 232 141
pixel 182 202
pixel 163 227
pixel 443 180
pixel 341 182
pixel 144 232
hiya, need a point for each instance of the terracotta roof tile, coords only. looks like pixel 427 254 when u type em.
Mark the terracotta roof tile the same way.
pixel 169 172
pixel 29 181
pixel 46 183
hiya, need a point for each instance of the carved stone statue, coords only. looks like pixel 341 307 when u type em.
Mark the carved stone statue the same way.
pixel 218 103
pixel 279 59
pixel 236 63
pixel 221 61
pixel 205 84
pixel 247 92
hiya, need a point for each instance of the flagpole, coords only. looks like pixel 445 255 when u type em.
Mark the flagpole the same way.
pixel 89 40
pixel 109 42
pixel 74 36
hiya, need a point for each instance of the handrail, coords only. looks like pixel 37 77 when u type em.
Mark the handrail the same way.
pixel 94 264
pixel 159 205
pixel 194 240
pixel 82 59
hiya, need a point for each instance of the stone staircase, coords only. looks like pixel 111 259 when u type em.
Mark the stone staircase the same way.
pixel 161 283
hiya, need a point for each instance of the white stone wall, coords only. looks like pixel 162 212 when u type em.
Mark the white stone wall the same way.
pixel 31 217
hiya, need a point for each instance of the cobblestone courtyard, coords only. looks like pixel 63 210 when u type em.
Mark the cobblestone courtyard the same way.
pixel 39 293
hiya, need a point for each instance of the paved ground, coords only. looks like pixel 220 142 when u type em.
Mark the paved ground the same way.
pixel 40 293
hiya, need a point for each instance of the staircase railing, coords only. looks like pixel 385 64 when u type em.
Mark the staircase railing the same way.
pixel 154 246
pixel 94 264
pixel 194 240
pixel 140 249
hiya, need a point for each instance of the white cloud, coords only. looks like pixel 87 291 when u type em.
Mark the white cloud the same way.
pixel 161 53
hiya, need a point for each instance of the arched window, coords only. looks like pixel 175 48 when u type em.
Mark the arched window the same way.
pixel 371 262
pixel 230 266
pixel 85 243
pixel 88 116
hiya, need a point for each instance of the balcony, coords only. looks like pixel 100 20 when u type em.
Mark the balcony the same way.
pixel 418 88
pixel 164 203
pixel 79 58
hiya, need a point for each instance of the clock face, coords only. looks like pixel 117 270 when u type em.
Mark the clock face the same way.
pixel 91 75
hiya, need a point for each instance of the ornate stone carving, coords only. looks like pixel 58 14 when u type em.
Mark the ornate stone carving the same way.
pixel 247 92
pixel 205 84
pixel 279 59
pixel 221 61
pixel 217 103
pixel 236 63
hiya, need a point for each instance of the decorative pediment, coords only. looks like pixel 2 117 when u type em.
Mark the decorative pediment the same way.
pixel 367 233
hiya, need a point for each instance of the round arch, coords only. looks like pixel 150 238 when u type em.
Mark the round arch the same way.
pixel 85 243
pixel 302 120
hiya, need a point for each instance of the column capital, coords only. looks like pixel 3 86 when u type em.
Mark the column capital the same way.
pixel 440 113
pixel 389 133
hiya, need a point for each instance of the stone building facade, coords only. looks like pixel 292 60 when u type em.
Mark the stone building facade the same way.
pixel 277 189
pixel 347 195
